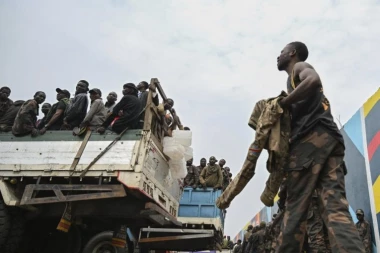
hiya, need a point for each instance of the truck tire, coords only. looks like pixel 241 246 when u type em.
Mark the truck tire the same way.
pixel 16 232
pixel 5 222
pixel 101 243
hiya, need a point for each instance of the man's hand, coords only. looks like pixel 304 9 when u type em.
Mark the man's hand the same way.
pixel 43 131
pixel 101 130
pixel 34 132
pixel 84 124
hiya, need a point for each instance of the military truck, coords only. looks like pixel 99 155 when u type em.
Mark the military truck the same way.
pixel 89 187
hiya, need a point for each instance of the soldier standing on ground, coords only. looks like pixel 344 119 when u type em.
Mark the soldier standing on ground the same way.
pixel 316 152
pixel 211 175
pixel 247 235
pixel 364 229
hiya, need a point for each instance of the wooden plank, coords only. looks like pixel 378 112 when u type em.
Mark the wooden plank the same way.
pixel 80 150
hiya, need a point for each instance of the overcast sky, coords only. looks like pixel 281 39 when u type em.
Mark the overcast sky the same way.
pixel 214 58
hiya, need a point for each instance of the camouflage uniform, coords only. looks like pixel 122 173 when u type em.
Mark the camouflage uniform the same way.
pixel 26 118
pixel 247 235
pixel 317 236
pixel 272 125
pixel 211 176
pixel 364 229
pixel 316 162
pixel 192 177
pixel 261 241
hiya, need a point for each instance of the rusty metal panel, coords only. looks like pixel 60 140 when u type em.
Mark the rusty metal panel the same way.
pixel 100 192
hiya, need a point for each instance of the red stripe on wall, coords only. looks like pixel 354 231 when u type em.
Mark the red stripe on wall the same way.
pixel 373 145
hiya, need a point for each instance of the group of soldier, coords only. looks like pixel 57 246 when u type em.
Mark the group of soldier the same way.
pixel 263 238
pixel 70 113
pixel 210 174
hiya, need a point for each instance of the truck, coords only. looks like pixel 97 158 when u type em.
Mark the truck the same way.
pixel 95 187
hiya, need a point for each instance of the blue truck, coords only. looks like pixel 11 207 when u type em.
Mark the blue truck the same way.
pixel 202 225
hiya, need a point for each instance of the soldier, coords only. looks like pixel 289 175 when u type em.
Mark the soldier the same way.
pixel 192 176
pixel 125 113
pixel 77 109
pixel 222 162
pixel 45 110
pixel 238 247
pixel 211 175
pixel 5 102
pixel 252 241
pixel 6 122
pixel 97 113
pixel 316 152
pixel 261 237
pixel 269 237
pixel 111 101
pixel 364 229
pixel 54 119
pixel 202 165
pixel 247 235
pixel 25 122
pixel 226 177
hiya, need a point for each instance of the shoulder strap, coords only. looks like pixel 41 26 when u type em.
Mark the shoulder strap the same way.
pixel 292 79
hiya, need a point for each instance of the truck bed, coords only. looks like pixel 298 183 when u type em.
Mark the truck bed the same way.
pixel 135 161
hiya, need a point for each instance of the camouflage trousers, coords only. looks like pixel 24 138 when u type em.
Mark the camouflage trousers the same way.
pixel 316 162
pixel 316 231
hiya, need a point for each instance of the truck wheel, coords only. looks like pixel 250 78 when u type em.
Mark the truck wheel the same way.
pixel 101 243
pixel 5 222
pixel 16 232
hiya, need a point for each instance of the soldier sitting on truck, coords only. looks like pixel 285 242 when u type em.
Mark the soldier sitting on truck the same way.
pixel 211 175
pixel 111 101
pixel 54 118
pixel 45 110
pixel 202 165
pixel 7 120
pixel 97 113
pixel 5 102
pixel 125 113
pixel 77 110
pixel 226 177
pixel 25 122
pixel 192 176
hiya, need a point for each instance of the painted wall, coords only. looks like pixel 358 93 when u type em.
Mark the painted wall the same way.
pixel 362 139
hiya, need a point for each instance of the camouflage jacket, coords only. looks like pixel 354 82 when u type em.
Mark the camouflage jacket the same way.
pixel 364 229
pixel 26 118
pixel 272 126
pixel 192 177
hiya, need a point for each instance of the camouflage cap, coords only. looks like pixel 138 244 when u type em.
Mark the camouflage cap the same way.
pixel 263 223
pixel 360 211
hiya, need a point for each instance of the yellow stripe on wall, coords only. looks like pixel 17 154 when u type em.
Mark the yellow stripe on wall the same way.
pixel 371 102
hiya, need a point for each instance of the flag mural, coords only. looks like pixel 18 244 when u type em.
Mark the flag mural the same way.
pixel 362 140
